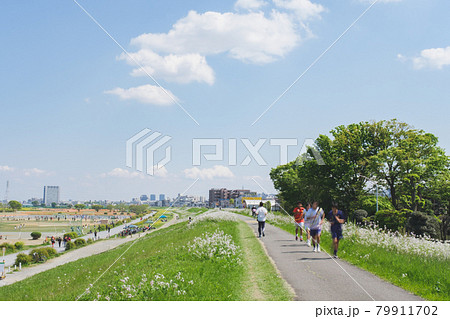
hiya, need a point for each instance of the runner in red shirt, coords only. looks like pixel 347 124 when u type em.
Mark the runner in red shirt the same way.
pixel 299 220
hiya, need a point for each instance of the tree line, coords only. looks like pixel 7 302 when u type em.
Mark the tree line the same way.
pixel 410 169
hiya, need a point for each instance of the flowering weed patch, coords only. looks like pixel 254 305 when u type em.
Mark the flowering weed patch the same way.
pixel 216 216
pixel 217 245
pixel 153 287
pixel 397 242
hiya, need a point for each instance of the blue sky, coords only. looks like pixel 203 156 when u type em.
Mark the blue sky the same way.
pixel 70 97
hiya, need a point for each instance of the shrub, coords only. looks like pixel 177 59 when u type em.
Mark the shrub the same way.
pixel 51 251
pixel 9 248
pixel 360 215
pixel 70 245
pixel 391 219
pixel 19 245
pixel 80 242
pixel 35 235
pixel 40 254
pixel 89 241
pixel 72 235
pixel 369 204
pixel 423 225
pixel 24 259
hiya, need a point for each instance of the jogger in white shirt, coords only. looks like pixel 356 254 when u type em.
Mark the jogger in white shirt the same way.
pixel 314 217
pixel 261 213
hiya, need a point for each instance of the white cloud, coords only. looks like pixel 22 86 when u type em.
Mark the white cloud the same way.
pixel 304 9
pixel 172 68
pixel 34 172
pixel 251 37
pixel 124 173
pixel 6 168
pixel 120 172
pixel 430 58
pixel 148 94
pixel 217 171
pixel 249 4
pixel 160 172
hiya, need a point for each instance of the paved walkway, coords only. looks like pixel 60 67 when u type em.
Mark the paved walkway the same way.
pixel 93 249
pixel 317 276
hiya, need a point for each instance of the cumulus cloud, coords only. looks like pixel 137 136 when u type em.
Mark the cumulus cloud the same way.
pixel 430 58
pixel 172 68
pixel 217 171
pixel 253 37
pixel 250 35
pixel 249 4
pixel 304 9
pixel 147 94
pixel 160 171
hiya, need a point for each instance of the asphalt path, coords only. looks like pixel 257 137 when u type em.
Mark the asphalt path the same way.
pixel 317 276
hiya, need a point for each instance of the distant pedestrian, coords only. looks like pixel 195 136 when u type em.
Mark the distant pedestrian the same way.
pixel 308 237
pixel 95 234
pixel 53 241
pixel 337 218
pixel 315 216
pixel 59 241
pixel 299 220
pixel 64 241
pixel 261 213
pixel 253 211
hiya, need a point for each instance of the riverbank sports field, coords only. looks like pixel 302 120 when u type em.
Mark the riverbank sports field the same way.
pixel 51 222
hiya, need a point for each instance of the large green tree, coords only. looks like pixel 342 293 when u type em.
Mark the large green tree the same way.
pixel 97 207
pixel 80 207
pixel 438 193
pixel 15 205
pixel 403 161
pixel 409 159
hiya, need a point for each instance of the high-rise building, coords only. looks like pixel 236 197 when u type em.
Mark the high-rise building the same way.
pixel 162 196
pixel 219 195
pixel 51 195
pixel 144 198
pixel 152 197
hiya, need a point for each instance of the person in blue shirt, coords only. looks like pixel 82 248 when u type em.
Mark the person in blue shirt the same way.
pixel 337 218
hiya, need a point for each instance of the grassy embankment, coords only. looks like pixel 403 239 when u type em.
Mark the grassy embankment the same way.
pixel 211 259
